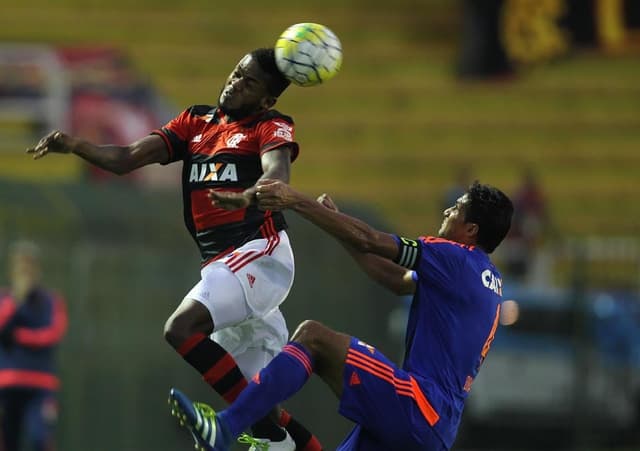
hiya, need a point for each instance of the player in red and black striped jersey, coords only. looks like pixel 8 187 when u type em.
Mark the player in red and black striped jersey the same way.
pixel 226 156
pixel 229 325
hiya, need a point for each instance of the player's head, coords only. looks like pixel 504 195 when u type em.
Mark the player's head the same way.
pixel 480 217
pixel 254 85
pixel 24 266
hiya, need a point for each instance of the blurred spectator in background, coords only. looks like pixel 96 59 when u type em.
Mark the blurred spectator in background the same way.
pixel 32 323
pixel 529 229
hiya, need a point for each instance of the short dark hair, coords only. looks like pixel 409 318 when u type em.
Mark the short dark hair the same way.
pixel 276 81
pixel 492 210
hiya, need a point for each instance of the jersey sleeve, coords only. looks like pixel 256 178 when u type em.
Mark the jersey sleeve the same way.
pixel 176 134
pixel 8 309
pixel 440 260
pixel 433 260
pixel 48 335
pixel 275 133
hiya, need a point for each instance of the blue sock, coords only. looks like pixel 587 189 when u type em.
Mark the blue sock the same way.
pixel 279 380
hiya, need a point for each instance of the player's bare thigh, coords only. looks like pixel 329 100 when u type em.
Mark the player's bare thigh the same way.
pixel 328 349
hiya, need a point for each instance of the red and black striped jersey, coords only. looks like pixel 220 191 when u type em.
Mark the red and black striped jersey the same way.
pixel 225 156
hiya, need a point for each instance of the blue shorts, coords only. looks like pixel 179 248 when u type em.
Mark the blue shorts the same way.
pixel 378 396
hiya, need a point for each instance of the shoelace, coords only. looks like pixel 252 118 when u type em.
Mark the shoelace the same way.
pixel 249 440
pixel 205 410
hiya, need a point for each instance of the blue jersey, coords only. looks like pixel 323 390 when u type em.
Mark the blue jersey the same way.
pixel 453 318
pixel 29 334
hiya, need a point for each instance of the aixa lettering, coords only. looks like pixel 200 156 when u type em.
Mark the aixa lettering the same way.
pixel 213 172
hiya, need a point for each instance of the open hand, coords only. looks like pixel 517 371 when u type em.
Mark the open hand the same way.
pixel 56 142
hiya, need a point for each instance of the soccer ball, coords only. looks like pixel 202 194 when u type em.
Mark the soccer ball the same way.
pixel 308 54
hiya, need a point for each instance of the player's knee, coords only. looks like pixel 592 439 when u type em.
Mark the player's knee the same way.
pixel 189 319
pixel 169 333
pixel 308 328
pixel 310 334
pixel 177 330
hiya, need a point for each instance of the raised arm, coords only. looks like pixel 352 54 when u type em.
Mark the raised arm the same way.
pixel 390 275
pixel 117 159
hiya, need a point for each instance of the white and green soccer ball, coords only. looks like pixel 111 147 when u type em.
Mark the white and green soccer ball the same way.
pixel 308 54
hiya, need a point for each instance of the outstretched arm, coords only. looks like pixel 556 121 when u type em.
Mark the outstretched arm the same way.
pixel 117 159
pixel 275 195
pixel 390 275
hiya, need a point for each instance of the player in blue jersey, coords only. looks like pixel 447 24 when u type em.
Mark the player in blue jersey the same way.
pixel 453 318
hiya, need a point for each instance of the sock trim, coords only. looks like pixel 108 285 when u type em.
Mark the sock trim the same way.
pixel 285 418
pixel 191 343
pixel 300 356
pixel 313 444
pixel 219 369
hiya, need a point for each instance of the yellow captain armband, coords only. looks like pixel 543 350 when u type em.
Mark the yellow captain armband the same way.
pixel 408 252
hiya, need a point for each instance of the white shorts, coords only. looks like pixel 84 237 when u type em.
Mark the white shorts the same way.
pixel 254 342
pixel 242 292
